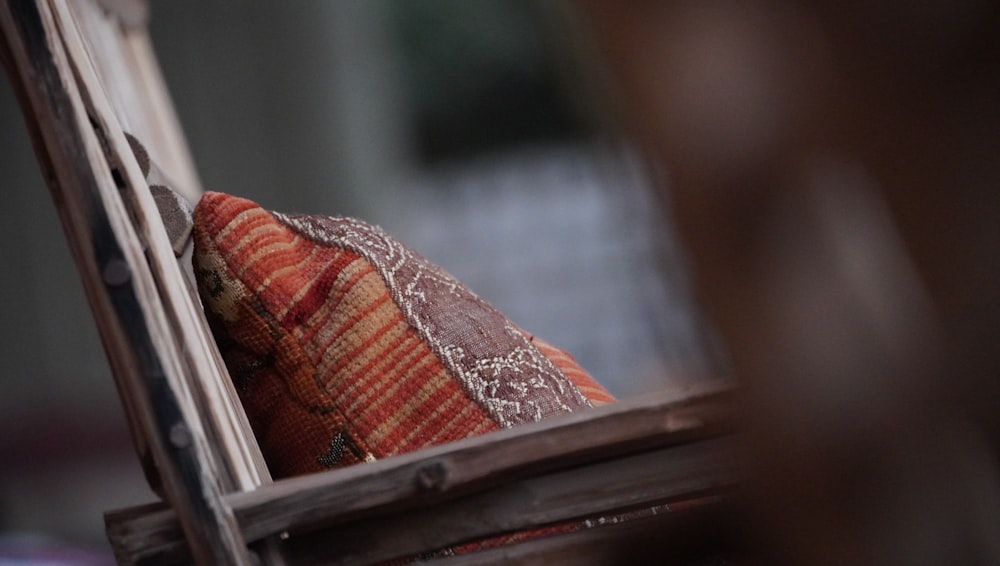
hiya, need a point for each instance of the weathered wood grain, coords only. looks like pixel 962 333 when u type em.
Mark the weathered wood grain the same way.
pixel 592 491
pixel 613 458
pixel 125 272
pixel 659 420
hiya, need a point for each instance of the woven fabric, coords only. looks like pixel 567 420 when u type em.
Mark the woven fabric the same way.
pixel 346 346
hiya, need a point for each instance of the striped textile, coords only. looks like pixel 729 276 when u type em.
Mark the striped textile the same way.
pixel 346 346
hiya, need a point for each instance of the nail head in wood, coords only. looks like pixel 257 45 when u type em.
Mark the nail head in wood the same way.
pixel 116 272
pixel 180 436
pixel 433 476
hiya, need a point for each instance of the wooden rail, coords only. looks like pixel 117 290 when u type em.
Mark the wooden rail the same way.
pixel 669 447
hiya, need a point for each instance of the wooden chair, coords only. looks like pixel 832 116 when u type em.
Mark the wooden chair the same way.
pixel 85 75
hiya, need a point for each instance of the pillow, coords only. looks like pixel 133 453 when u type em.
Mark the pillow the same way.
pixel 346 346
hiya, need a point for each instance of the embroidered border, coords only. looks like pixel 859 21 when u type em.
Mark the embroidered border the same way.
pixel 491 358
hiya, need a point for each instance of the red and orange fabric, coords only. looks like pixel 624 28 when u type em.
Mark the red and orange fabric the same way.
pixel 346 346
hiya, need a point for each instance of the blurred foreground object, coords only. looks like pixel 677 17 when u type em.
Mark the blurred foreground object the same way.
pixel 833 174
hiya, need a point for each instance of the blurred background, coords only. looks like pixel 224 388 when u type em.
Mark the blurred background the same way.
pixel 469 129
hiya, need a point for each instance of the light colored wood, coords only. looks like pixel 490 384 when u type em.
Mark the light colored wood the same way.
pixel 122 56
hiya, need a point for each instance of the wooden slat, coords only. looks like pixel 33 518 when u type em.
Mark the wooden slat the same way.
pixel 147 534
pixel 590 491
pixel 607 459
pixel 202 371
pixel 46 67
pixel 130 77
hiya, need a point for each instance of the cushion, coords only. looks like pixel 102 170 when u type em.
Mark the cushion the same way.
pixel 346 346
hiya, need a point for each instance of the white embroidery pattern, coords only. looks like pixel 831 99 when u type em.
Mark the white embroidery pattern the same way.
pixel 503 372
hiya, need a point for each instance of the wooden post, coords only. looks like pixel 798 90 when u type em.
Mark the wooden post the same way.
pixel 72 137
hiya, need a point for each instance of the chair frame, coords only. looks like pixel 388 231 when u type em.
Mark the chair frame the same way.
pixel 85 74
